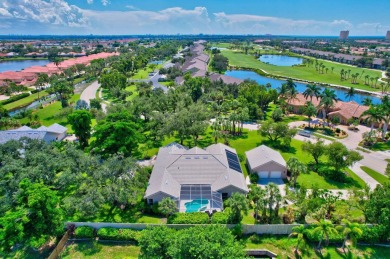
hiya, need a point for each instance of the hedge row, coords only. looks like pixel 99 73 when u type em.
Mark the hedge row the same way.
pixel 15 98
pixel 189 218
pixel 220 218
pixel 84 232
pixel 119 234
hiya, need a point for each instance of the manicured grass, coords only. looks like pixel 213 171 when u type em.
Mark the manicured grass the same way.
pixel 133 89
pixel 25 101
pixel 380 178
pixel 52 114
pixel 381 146
pixel 93 249
pixel 143 73
pixel 304 72
pixel 284 248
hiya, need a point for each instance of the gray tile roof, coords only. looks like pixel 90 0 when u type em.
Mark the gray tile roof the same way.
pixel 41 133
pixel 175 165
pixel 56 128
pixel 6 136
pixel 263 155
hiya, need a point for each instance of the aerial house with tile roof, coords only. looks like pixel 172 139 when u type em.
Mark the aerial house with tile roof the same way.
pixel 198 179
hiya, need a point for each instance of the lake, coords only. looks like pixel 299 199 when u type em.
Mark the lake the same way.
pixel 281 60
pixel 17 65
pixel 276 83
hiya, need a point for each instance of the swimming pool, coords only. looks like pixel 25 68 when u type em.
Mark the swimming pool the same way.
pixel 196 205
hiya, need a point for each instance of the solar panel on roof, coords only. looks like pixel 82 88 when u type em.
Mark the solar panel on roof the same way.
pixel 233 161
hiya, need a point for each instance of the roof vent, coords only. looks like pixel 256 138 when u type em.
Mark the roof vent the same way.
pixel 226 177
pixel 166 182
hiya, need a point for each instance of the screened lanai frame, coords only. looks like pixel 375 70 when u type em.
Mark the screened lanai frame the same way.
pixel 191 192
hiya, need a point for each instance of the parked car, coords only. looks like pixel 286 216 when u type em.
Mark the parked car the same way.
pixel 305 133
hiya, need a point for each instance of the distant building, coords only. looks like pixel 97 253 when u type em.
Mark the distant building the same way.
pixel 388 35
pixel 344 35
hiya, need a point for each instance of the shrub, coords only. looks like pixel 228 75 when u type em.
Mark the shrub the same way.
pixel 312 237
pixel 220 218
pixel 338 130
pixel 84 232
pixel 189 218
pixel 374 234
pixel 254 178
pixel 119 234
pixel 15 98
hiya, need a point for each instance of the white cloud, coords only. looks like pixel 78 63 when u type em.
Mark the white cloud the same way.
pixel 90 1
pixel 55 12
pixel 256 24
pixel 104 2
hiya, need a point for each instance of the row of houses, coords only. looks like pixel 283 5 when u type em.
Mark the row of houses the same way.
pixel 28 76
pixel 337 57
pixel 200 179
pixel 196 63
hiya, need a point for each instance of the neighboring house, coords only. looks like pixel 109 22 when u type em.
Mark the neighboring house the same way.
pixel 266 162
pixel 348 110
pixel 198 179
pixel 54 132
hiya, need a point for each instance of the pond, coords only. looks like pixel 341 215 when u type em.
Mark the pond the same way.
pixel 301 87
pixel 281 60
pixel 17 65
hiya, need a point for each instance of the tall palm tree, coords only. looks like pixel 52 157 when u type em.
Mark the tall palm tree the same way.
pixel 373 115
pixel 312 91
pixel 350 230
pixel 296 167
pixel 310 111
pixel 297 232
pixel 257 195
pixel 351 93
pixel 328 98
pixel 323 229
pixel 367 101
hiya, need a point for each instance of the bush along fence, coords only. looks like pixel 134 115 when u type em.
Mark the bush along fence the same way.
pixel 276 229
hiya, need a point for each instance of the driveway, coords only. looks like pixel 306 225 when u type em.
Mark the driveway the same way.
pixel 278 181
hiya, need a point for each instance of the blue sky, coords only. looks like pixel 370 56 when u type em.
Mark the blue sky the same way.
pixel 283 17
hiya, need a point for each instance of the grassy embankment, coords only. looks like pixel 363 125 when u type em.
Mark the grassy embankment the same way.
pixel 25 101
pixel 380 178
pixel 238 59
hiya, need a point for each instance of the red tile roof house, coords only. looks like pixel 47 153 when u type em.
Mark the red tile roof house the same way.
pixel 343 110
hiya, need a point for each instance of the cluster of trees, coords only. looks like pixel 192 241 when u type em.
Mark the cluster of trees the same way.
pixel 219 63
pixel 376 115
pixel 214 241
pixel 41 185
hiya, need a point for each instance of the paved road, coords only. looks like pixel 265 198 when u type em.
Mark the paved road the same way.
pixel 374 160
pixel 365 177
pixel 90 93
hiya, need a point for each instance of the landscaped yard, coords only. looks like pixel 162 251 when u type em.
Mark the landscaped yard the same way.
pixel 380 178
pixel 303 72
pixel 92 249
pixel 284 248
pixel 381 146
pixel 25 101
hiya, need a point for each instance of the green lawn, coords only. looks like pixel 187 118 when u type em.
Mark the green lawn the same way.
pixel 303 72
pixel 284 248
pixel 25 101
pixel 380 178
pixel 381 146
pixel 133 89
pixel 52 113
pixel 93 249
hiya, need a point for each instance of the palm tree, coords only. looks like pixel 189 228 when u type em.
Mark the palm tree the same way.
pixel 257 195
pixel 328 98
pixel 312 90
pixel 367 101
pixel 296 168
pixel 323 229
pixel 352 230
pixel 310 111
pixel 351 93
pixel 373 115
pixel 297 232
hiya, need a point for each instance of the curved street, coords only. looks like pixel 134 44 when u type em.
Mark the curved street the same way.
pixel 90 93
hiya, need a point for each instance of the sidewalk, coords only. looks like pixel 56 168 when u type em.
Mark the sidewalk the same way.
pixel 364 176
